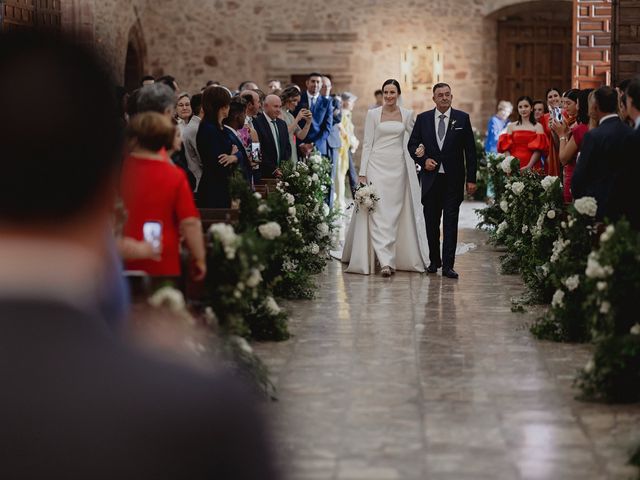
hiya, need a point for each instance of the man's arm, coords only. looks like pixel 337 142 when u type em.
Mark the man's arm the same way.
pixel 470 152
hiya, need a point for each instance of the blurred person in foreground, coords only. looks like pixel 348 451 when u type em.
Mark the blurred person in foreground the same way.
pixel 77 403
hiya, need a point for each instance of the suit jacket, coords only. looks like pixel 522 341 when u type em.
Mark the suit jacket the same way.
pixel 213 189
pixel 244 165
pixel 458 154
pixel 269 154
pixel 333 140
pixel 603 157
pixel 190 148
pixel 76 403
pixel 321 122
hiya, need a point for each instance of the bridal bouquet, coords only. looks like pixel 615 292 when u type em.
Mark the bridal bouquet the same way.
pixel 366 197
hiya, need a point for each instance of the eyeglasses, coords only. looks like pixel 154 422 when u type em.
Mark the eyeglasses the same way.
pixel 183 105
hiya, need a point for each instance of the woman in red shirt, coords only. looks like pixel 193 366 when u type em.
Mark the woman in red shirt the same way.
pixel 155 191
pixel 570 138
pixel 525 139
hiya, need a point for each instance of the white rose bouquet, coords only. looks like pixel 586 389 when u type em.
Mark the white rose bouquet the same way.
pixel 366 197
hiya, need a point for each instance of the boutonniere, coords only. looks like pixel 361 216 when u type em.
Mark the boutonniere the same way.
pixel 453 123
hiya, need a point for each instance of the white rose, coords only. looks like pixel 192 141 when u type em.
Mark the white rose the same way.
pixel 325 209
pixel 586 206
pixel 315 178
pixel 601 286
pixel 271 306
pixel 168 297
pixel 517 187
pixel 254 278
pixel 588 368
pixel 289 198
pixel 502 228
pixel 558 298
pixel 257 195
pixel 270 230
pixel 551 214
pixel 525 229
pixel 635 330
pixel 315 249
pixel 504 206
pixel 607 234
pixel 292 211
pixel 323 229
pixel 605 307
pixel 548 181
pixel 263 208
pixel 572 282
pixel 505 165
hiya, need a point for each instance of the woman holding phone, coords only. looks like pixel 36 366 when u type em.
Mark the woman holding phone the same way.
pixel 290 97
pixel 554 105
pixel 158 200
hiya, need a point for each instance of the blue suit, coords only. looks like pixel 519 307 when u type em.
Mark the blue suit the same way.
pixel 321 122
pixel 243 161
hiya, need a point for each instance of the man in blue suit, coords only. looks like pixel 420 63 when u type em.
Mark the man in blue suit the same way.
pixel 234 122
pixel 321 111
pixel 442 143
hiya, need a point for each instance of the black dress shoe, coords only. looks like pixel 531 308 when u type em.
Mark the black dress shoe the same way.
pixel 449 273
pixel 432 268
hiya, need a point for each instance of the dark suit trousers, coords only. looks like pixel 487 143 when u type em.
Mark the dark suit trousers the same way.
pixel 442 200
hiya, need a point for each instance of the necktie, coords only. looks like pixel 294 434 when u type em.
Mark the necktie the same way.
pixel 276 139
pixel 313 103
pixel 441 127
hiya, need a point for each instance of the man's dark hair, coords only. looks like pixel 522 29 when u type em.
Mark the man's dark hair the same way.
pixel 196 103
pixel 247 97
pixel 314 74
pixel 440 85
pixel 146 78
pixel 261 95
pixel 607 99
pixel 544 105
pixel 54 167
pixel 633 92
pixel 238 105
pixel 242 85
pixel 168 80
pixel 378 92
pixel 212 82
pixel 157 97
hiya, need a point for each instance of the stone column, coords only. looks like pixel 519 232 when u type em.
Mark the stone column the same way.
pixel 592 43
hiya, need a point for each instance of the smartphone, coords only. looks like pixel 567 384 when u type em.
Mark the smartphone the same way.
pixel 152 234
pixel 255 152
pixel 557 114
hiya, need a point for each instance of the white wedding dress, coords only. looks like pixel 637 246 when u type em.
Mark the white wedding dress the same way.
pixel 395 232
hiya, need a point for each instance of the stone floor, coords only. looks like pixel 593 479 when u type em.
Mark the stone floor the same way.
pixel 422 377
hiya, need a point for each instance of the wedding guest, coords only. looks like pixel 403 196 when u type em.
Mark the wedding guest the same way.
pixel 603 155
pixel 194 163
pixel 525 139
pixel 147 80
pixel 349 146
pixel 622 95
pixel 247 85
pixel 539 109
pixel 274 138
pixel 253 104
pixel 554 101
pixel 77 401
pixel 177 154
pixel 496 126
pixel 633 103
pixel 183 110
pixel 233 123
pixel 169 81
pixel 379 99
pixel 570 106
pixel 216 151
pixel 274 85
pixel 157 97
pixel 261 97
pixel 570 137
pixel 322 115
pixel 290 98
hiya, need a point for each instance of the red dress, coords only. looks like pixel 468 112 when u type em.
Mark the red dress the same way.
pixel 522 144
pixel 552 165
pixel 156 190
pixel 577 132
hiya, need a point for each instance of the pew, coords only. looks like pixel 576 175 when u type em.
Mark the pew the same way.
pixel 269 183
pixel 209 216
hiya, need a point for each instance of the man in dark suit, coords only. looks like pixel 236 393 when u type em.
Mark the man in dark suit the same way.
pixel 77 402
pixel 274 137
pixel 442 144
pixel 603 155
pixel 321 111
pixel 234 122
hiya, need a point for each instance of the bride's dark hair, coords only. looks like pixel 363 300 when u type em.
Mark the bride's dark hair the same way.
pixel 392 81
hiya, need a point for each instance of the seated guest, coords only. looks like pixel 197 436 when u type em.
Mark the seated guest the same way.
pixel 154 190
pixel 603 155
pixel 570 137
pixel 216 150
pixel 191 154
pixel 496 126
pixel 274 138
pixel 183 110
pixel 290 98
pixel 525 139
pixel 233 123
pixel 77 402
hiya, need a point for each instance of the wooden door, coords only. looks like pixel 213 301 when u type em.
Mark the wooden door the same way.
pixel 26 14
pixel 534 53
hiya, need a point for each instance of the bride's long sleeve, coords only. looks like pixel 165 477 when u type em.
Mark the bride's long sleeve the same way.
pixel 369 130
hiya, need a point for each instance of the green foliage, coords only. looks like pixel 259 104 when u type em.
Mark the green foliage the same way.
pixel 498 172
pixel 482 177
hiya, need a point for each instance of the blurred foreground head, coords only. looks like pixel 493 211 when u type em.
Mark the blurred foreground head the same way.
pixel 60 137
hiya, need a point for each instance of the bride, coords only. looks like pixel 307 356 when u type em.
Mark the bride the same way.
pixel 394 233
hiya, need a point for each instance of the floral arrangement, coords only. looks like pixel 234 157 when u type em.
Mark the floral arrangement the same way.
pixel 482 177
pixel 366 197
pixel 499 170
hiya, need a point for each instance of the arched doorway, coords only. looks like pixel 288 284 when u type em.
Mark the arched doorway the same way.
pixel 534 48
pixel 135 60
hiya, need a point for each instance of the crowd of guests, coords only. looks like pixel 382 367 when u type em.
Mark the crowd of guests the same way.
pixel 589 138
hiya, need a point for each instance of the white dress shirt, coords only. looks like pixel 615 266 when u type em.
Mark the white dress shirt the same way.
pixel 447 115
pixel 312 99
pixel 274 132
pixel 637 123
pixel 607 117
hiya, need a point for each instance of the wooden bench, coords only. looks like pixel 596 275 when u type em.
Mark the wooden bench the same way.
pixel 261 189
pixel 209 216
pixel 269 183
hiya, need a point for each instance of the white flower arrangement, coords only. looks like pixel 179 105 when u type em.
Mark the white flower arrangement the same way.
pixel 548 181
pixel 292 211
pixel 594 269
pixel 270 230
pixel 505 165
pixel 263 208
pixel 558 247
pixel 271 306
pixel 314 249
pixel 170 298
pixel 254 278
pixel 227 236
pixel 517 187
pixel 572 282
pixel 315 178
pixel 504 206
pixel 367 197
pixel 258 195
pixel 289 198
pixel 586 206
pixel 558 298
pixel 525 229
pixel 502 228
pixel 607 234
pixel 605 307
pixel 551 214
pixel 323 229
pixel 601 286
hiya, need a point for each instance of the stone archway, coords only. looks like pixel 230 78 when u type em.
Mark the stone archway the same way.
pixel 534 47
pixel 135 59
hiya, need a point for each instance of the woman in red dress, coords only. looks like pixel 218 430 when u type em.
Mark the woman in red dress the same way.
pixel 158 198
pixel 525 139
pixel 570 137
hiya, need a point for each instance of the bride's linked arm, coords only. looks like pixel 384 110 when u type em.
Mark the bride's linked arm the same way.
pixel 369 129
pixel 416 141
